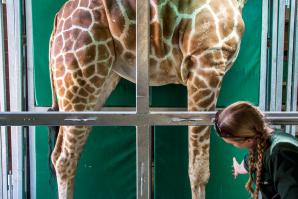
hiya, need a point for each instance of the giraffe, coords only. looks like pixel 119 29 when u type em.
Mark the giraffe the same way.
pixel 92 46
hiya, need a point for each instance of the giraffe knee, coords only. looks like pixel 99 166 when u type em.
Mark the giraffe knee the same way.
pixel 199 172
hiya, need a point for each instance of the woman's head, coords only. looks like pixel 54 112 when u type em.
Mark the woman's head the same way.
pixel 241 122
pixel 243 125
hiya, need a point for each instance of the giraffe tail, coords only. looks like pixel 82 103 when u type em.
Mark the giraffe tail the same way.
pixel 52 138
pixel 52 130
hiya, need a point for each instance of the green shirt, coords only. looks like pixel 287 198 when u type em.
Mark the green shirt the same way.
pixel 279 179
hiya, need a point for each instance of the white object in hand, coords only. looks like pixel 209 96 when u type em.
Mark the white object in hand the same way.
pixel 238 168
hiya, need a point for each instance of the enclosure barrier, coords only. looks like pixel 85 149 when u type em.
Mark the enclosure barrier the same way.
pixel 142 116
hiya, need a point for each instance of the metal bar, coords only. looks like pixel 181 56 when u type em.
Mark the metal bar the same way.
pixel 143 162
pixel 280 54
pixel 3 130
pixel 295 66
pixel 14 11
pixel 142 56
pixel 290 100
pixel 125 118
pixel 31 99
pixel 274 56
pixel 143 137
pixel 263 69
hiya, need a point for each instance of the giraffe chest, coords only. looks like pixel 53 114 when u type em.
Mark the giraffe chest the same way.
pixel 164 70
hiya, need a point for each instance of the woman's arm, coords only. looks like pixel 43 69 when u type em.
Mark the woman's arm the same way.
pixel 284 170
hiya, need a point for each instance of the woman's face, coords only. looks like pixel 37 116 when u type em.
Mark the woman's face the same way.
pixel 248 143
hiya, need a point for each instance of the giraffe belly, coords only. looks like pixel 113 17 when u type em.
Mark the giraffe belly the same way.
pixel 157 76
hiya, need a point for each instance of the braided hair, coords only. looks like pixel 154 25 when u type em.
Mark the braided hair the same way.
pixel 242 119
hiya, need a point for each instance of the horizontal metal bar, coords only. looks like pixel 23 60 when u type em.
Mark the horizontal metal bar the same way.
pixel 126 118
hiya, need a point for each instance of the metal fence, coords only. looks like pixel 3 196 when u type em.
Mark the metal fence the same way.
pixel 142 116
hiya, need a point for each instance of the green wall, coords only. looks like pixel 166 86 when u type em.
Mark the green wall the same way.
pixel 107 167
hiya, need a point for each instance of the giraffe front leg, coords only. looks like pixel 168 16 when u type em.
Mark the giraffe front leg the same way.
pixel 74 138
pixel 198 138
pixel 203 87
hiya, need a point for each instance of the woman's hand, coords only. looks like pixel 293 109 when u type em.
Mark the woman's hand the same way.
pixel 238 168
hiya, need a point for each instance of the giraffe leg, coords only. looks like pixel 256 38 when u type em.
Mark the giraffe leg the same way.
pixel 203 86
pixel 71 140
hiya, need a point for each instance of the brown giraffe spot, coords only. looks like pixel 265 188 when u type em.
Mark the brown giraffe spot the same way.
pixel 196 152
pixel 69 95
pixel 82 40
pixel 168 17
pixel 65 102
pixel 95 4
pixel 78 74
pixel 68 107
pixel 86 55
pixel 129 57
pixel 67 34
pixel 68 45
pixel 89 88
pixel 199 83
pixel 59 72
pixel 84 3
pixel 88 71
pixel 240 26
pixel 164 66
pixel 200 94
pixel 117 21
pixel 68 9
pixel 206 136
pixel 102 52
pixel 75 89
pixel 130 38
pixel 205 148
pixel 102 69
pixel 83 92
pixel 226 25
pixel 207 60
pixel 206 102
pixel 79 107
pixel 212 77
pixel 67 24
pixel 58 43
pixel 100 32
pixel 68 80
pixel 71 62
pixel 97 81
pixel 118 46
pixel 59 26
pixel 81 82
pixel 61 91
pixel 156 40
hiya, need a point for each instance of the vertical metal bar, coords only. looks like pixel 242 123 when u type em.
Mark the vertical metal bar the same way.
pixel 274 56
pixel 143 162
pixel 291 101
pixel 280 54
pixel 15 71
pixel 31 104
pixel 263 75
pixel 143 134
pixel 142 57
pixel 3 130
pixel 295 66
